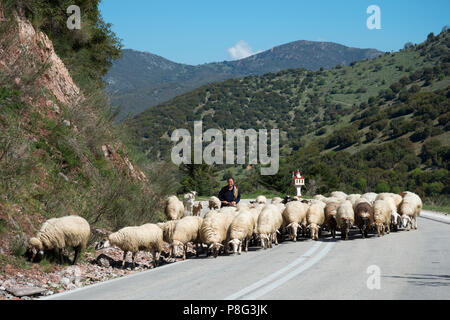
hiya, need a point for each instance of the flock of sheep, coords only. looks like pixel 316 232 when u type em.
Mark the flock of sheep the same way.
pixel 235 228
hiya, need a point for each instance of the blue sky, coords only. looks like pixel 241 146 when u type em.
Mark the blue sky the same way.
pixel 201 31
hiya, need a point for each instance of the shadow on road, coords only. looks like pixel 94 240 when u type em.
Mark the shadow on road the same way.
pixel 432 280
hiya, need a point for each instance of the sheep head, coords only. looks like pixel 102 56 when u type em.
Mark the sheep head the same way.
pixel 405 220
pixel 102 244
pixel 293 227
pixel 175 246
pixel 265 239
pixel 380 227
pixel 215 247
pixel 235 244
pixel 35 248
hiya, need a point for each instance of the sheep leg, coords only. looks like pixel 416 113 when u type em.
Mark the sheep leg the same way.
pixel 76 255
pixel 59 256
pixel 157 256
pixel 388 229
pixel 133 255
pixel 184 251
pixel 197 249
pixel 246 245
pixel 124 259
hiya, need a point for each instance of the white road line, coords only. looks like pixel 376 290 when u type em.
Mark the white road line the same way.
pixel 435 216
pixel 263 281
pixel 291 275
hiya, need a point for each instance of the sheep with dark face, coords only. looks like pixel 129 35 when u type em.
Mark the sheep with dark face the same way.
pixel 59 233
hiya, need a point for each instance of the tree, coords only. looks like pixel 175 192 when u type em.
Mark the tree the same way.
pixel 382 187
pixel 408 45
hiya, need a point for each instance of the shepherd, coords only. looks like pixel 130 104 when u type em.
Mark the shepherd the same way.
pixel 230 194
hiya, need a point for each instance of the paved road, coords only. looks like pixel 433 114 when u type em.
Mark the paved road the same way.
pixel 412 265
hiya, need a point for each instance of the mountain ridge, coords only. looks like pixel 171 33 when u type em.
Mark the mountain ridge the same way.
pixel 141 79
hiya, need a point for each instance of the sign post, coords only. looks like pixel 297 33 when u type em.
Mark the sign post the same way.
pixel 299 181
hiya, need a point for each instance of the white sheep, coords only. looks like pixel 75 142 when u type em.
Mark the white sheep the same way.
pixel 332 199
pixel 315 217
pixel 279 222
pixel 339 194
pixel 148 237
pixel 188 202
pixel 261 199
pixel 294 216
pixel 214 203
pixel 59 233
pixel 214 231
pixel 232 210
pixel 345 218
pixel 268 224
pixel 410 209
pixel 174 208
pixel 242 206
pixel 319 197
pixel 392 201
pixel 168 228
pixel 353 198
pixel 187 230
pixel 241 231
pixel 370 196
pixel 197 210
pixel 276 200
pixel 382 211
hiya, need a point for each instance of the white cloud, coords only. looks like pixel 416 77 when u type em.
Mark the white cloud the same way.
pixel 241 50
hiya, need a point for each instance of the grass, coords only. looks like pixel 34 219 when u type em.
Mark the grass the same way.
pixel 437 208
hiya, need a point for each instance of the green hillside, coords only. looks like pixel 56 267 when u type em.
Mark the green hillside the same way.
pixel 52 156
pixel 395 107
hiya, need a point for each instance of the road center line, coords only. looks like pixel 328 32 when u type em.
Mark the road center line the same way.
pixel 293 274
pixel 266 280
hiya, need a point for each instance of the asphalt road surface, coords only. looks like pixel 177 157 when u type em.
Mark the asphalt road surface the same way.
pixel 402 265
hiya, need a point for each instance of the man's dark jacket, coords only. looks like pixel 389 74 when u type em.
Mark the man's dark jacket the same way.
pixel 228 195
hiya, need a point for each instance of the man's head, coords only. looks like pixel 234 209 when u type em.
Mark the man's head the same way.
pixel 230 182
